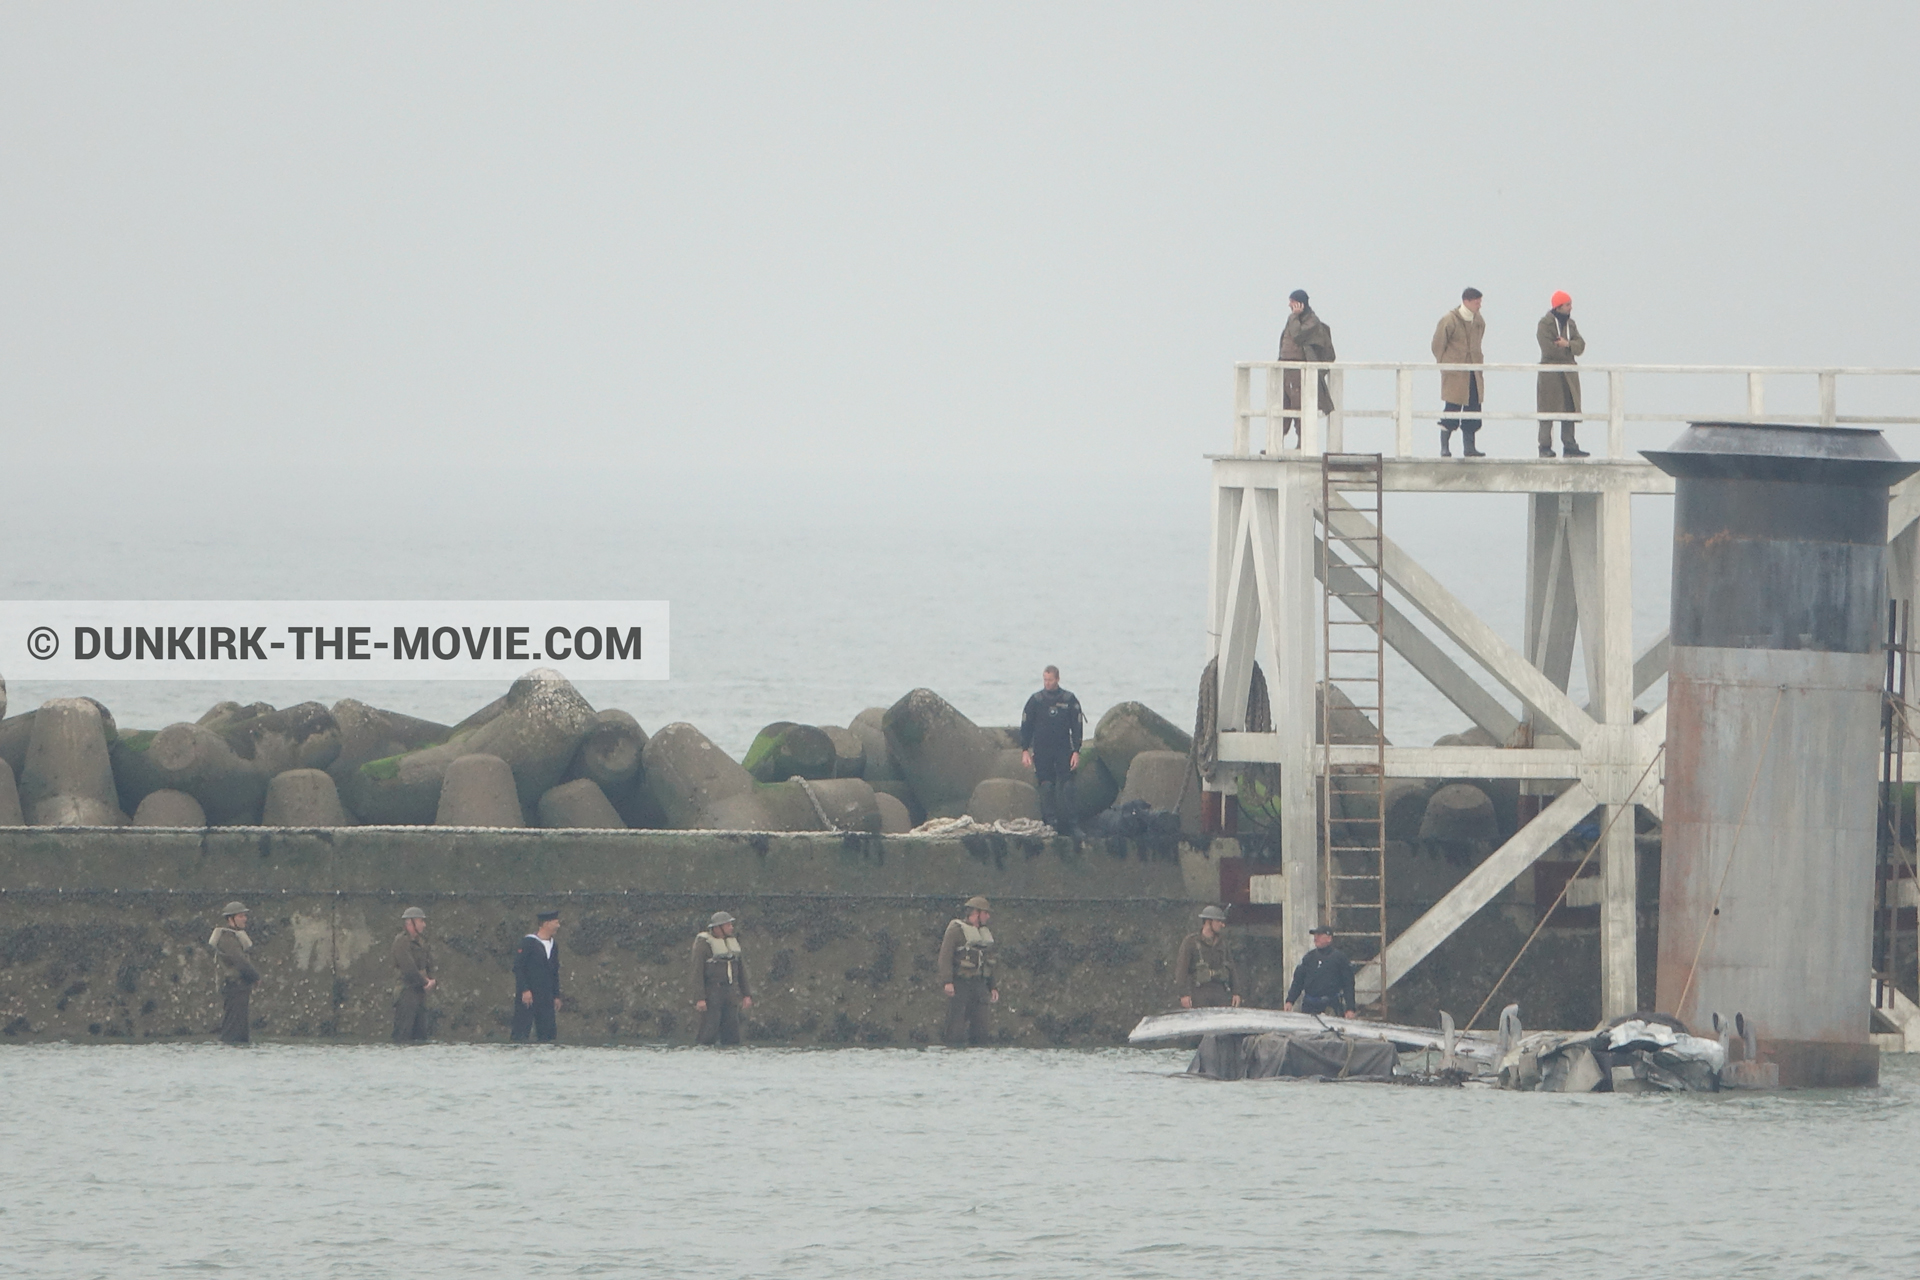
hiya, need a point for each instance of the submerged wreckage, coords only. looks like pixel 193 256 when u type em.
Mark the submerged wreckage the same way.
pixel 1638 1054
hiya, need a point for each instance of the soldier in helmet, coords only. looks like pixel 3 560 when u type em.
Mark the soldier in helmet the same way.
pixel 1203 973
pixel 237 974
pixel 720 988
pixel 414 959
pixel 966 975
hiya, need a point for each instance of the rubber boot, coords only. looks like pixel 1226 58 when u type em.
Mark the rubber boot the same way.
pixel 1446 436
pixel 1049 805
pixel 1467 434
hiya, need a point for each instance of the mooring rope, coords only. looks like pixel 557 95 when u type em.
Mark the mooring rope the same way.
pixel 1714 912
pixel 1562 895
pixel 826 823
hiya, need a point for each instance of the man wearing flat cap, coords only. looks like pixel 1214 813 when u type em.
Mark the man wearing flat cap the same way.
pixel 414 959
pixel 966 975
pixel 1306 337
pixel 536 980
pixel 1203 972
pixel 237 975
pixel 720 989
pixel 1323 981
pixel 1558 392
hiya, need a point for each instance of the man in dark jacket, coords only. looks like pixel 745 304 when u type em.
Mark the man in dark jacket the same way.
pixel 1306 337
pixel 1050 730
pixel 1323 982
pixel 237 974
pixel 536 980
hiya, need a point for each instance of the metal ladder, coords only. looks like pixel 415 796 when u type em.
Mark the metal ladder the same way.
pixel 1353 796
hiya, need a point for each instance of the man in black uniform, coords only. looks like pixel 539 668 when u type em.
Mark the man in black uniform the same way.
pixel 1323 982
pixel 1050 746
pixel 536 980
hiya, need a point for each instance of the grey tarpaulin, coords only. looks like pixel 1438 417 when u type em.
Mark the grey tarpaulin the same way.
pixel 1324 1055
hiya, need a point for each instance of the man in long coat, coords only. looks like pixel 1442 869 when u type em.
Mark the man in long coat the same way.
pixel 1306 337
pixel 1457 340
pixel 1560 342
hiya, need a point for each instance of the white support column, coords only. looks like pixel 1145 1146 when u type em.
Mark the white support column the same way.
pixel 1336 417
pixel 1226 526
pixel 1292 628
pixel 1242 410
pixel 1603 580
pixel 1403 413
pixel 1757 396
pixel 1551 611
pixel 1829 406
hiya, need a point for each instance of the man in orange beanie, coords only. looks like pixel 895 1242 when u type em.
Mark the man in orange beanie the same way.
pixel 1558 392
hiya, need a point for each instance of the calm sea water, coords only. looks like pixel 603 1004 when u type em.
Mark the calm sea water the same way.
pixel 782 610
pixel 456 1161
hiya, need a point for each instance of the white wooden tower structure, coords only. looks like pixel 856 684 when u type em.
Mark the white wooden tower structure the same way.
pixel 1301 545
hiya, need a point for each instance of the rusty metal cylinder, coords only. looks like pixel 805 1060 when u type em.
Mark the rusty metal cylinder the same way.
pixel 1773 724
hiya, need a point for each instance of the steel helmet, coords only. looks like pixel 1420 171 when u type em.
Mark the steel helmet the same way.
pixel 977 903
pixel 1214 913
pixel 413 913
pixel 719 918
pixel 234 909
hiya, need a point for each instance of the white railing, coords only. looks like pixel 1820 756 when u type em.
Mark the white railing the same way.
pixel 1403 413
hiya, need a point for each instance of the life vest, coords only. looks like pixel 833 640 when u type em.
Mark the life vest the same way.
pixel 971 959
pixel 1204 973
pixel 724 952
pixel 213 939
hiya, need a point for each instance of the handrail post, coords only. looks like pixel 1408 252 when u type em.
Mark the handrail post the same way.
pixel 1616 414
pixel 1336 420
pixel 1403 413
pixel 1310 411
pixel 1242 406
pixel 1276 406
pixel 1757 397
pixel 1828 406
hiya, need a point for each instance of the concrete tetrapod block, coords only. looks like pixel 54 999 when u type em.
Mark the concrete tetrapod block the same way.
pixel 539 728
pixel 1157 778
pixel 374 733
pixel 1010 762
pixel 198 761
pixel 1351 726
pixel 697 785
pixel 68 779
pixel 222 714
pixel 1128 728
pixel 10 814
pixel 1002 799
pixel 169 809
pixel 16 731
pixel 304 798
pixel 612 753
pixel 1094 787
pixel 899 789
pixel 786 750
pixel 870 727
pixel 850 804
pixel 849 752
pixel 300 737
pixel 3 697
pixel 580 803
pixel 941 752
pixel 479 791
pixel 1407 806
pixel 1460 818
pixel 894 818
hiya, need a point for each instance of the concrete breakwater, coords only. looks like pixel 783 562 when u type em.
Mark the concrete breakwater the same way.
pixel 541 756
pixel 103 932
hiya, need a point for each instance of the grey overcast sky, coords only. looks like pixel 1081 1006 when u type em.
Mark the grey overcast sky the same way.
pixel 894 248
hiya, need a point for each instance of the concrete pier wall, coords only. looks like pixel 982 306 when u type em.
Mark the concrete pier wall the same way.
pixel 103 932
